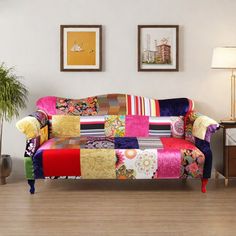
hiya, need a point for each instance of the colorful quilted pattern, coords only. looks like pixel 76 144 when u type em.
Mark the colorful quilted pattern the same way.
pixel 136 164
pixel 65 126
pixel 95 157
pixel 192 163
pixel 115 126
pixel 117 136
pixel 80 107
pixel 112 104
pixel 32 146
pixel 41 117
pixel 199 126
pixel 115 104
pixel 98 164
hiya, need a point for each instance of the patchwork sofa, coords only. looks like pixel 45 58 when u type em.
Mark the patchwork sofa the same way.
pixel 117 136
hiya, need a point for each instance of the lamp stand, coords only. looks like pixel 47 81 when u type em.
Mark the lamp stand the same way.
pixel 233 96
pixel 232 118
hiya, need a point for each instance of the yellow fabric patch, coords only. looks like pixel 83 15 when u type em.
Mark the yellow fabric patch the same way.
pixel 200 126
pixel 97 163
pixel 65 126
pixel 43 134
pixel 29 126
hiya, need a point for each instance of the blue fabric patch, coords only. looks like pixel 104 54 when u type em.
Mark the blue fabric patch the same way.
pixel 204 147
pixel 174 107
pixel 38 165
pixel 126 143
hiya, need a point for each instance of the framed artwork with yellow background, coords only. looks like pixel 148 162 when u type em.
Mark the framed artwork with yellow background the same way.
pixel 81 48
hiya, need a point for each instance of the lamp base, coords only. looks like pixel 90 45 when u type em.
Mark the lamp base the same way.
pixel 229 120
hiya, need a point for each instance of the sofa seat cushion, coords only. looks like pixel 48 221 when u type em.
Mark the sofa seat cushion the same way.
pixel 118 158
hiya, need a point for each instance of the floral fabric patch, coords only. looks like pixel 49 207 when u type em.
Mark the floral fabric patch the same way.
pixel 136 164
pixel 192 163
pixel 114 126
pixel 80 107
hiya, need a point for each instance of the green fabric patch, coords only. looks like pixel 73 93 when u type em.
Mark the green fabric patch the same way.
pixel 29 170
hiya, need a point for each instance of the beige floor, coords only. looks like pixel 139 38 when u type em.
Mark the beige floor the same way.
pixel 70 207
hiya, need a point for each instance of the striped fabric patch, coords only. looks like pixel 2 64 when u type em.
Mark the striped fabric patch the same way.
pixel 160 126
pixel 92 126
pixel 137 105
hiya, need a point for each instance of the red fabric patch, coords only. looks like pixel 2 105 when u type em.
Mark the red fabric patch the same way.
pixel 63 162
pixel 177 143
pixel 157 108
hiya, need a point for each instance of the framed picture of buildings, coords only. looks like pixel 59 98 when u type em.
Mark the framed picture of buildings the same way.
pixel 158 48
pixel 81 47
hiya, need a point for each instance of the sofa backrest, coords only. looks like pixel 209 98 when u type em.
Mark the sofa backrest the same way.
pixel 115 115
pixel 115 104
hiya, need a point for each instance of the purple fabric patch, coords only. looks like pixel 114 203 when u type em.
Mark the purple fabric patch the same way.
pixel 211 130
pixel 126 143
pixel 47 104
pixel 136 126
pixel 169 163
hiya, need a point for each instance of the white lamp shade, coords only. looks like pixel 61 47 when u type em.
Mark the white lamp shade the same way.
pixel 224 58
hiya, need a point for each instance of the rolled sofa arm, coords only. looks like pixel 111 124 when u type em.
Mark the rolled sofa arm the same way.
pixel 199 126
pixel 35 128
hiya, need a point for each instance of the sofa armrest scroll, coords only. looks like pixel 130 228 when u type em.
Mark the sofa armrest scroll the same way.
pixel 199 126
pixel 34 125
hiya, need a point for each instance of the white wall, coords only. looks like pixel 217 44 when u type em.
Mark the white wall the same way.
pixel 29 40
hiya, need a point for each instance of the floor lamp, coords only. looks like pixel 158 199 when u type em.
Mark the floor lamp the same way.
pixel 225 58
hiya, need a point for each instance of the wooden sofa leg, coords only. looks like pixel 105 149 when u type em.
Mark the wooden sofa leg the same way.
pixel 204 184
pixel 31 183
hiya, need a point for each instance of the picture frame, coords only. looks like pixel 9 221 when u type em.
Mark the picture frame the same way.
pixel 81 48
pixel 158 48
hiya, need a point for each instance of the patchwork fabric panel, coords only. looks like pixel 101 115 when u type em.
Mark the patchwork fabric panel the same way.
pixel 149 142
pixel 115 104
pixel 169 164
pixel 61 162
pixel 136 126
pixel 136 164
pixel 29 170
pixel 98 164
pixel 99 143
pixel 112 104
pixel 43 134
pixel 92 126
pixel 42 118
pixel 137 105
pixel 32 146
pixel 104 157
pixel 81 107
pixel 192 163
pixel 65 126
pixel 115 126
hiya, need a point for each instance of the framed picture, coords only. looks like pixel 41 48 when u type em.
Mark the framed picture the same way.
pixel 158 48
pixel 81 47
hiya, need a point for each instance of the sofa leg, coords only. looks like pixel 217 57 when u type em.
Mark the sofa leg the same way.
pixel 204 184
pixel 31 183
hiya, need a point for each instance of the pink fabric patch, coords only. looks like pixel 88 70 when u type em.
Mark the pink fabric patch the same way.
pixel 47 144
pixel 136 126
pixel 169 163
pixel 47 104
pixel 177 143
